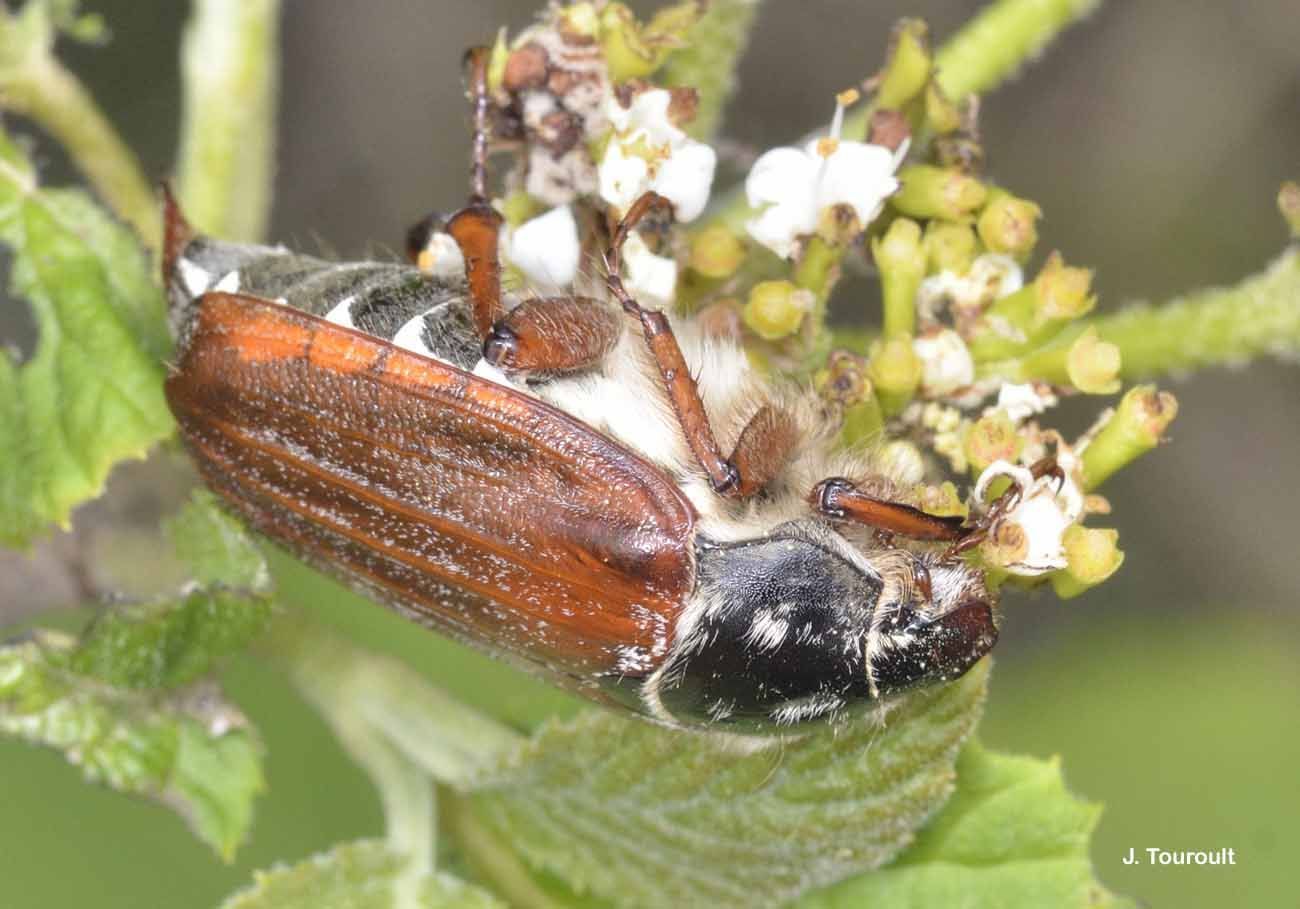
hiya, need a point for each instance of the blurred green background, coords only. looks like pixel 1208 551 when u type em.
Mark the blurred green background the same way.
pixel 1154 135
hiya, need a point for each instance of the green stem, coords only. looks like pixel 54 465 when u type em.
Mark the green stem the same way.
pixel 493 860
pixel 708 61
pixel 229 61
pixel 1214 327
pixel 446 739
pixel 993 46
pixel 40 87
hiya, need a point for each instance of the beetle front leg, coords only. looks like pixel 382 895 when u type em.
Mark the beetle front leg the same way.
pixel 839 499
pixel 553 334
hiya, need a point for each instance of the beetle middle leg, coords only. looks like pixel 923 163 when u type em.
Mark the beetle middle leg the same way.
pixel 768 438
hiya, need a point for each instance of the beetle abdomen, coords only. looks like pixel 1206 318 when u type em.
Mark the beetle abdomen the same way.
pixel 389 301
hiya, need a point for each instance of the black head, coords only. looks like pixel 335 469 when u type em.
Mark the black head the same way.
pixel 799 626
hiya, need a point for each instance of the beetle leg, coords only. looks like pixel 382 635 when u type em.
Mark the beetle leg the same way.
pixel 553 334
pixel 763 448
pixel 680 384
pixel 476 228
pixel 837 498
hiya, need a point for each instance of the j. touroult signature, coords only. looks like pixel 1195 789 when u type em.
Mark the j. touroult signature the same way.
pixel 1156 856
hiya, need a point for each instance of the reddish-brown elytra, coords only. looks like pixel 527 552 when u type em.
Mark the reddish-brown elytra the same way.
pixel 532 477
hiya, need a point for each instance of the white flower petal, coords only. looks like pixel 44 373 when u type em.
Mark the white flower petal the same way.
pixel 650 278
pixel 1023 401
pixel 778 173
pixel 946 363
pixel 649 112
pixel 444 258
pixel 623 177
pixel 546 248
pixel 779 226
pixel 859 175
pixel 686 178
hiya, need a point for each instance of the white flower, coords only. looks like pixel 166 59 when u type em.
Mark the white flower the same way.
pixel 1023 401
pixel 545 249
pixel 990 277
pixel 442 258
pixel 794 186
pixel 1042 514
pixel 946 363
pixel 647 152
pixel 650 278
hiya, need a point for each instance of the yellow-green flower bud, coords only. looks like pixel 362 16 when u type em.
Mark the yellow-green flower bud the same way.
pixel 497 61
pixel 908 68
pixel 901 261
pixel 844 383
pixel 1133 429
pixel 716 252
pixel 633 50
pixel 993 437
pixel 579 19
pixel 518 207
pixel 776 309
pixel 1063 290
pixel 895 369
pixel 949 246
pixel 1093 364
pixel 1091 556
pixel 1007 224
pixel 937 192
pixel 1288 202
pixel 1035 314
pixel 942 115
pixel 942 500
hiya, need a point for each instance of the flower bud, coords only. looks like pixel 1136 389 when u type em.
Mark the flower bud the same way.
pixel 497 61
pixel 895 369
pixel 908 67
pixel 776 309
pixel 844 383
pixel 949 246
pixel 942 500
pixel 1091 556
pixel 942 115
pixel 993 437
pixel 936 192
pixel 1093 364
pixel 1007 224
pixel 1063 290
pixel 946 362
pixel 633 50
pixel 579 20
pixel 901 261
pixel 1288 202
pixel 1133 429
pixel 716 252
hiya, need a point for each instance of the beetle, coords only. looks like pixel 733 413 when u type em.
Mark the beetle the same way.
pixel 544 478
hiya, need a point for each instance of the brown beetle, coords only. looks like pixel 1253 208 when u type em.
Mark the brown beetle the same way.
pixel 542 478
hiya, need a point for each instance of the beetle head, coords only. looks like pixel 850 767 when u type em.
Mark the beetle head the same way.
pixel 935 632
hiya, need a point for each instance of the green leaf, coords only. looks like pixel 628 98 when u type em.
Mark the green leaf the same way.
pixel 1011 836
pixel 642 816
pixel 186 748
pixel 216 546
pixel 91 394
pixel 169 643
pixel 363 875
